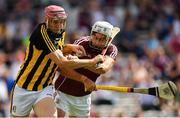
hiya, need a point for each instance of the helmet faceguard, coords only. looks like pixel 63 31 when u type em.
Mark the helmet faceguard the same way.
pixel 101 34
pixel 55 18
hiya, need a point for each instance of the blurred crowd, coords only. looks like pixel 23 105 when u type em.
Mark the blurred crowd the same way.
pixel 148 44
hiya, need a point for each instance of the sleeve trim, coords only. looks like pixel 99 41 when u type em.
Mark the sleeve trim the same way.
pixel 47 39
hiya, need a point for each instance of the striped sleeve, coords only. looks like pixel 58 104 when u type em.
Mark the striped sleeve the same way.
pixel 112 51
pixel 79 41
pixel 47 41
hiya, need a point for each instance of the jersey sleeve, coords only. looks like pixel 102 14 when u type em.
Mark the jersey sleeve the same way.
pixel 112 51
pixel 41 40
pixel 79 41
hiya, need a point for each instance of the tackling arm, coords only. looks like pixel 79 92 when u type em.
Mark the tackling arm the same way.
pixel 59 59
pixel 62 61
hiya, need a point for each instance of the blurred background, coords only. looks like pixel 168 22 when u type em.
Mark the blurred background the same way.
pixel 148 44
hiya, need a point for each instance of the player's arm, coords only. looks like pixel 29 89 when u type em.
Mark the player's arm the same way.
pixel 109 60
pixel 106 66
pixel 42 41
pixel 62 61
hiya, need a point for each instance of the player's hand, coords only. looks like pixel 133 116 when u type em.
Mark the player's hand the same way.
pixel 89 85
pixel 78 50
pixel 98 59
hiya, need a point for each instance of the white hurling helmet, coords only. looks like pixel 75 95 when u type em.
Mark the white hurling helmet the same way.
pixel 103 27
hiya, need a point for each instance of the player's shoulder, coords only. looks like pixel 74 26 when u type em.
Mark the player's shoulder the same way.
pixel 82 40
pixel 113 48
pixel 38 28
pixel 38 32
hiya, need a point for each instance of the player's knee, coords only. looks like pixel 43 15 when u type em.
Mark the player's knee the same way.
pixel 45 108
pixel 47 113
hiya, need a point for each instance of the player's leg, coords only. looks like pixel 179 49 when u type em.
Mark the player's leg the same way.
pixel 21 102
pixel 61 113
pixel 80 106
pixel 62 104
pixel 45 106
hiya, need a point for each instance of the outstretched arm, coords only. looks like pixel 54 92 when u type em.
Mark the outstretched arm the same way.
pixel 62 61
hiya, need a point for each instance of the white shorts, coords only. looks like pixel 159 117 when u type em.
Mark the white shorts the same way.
pixel 24 100
pixel 74 106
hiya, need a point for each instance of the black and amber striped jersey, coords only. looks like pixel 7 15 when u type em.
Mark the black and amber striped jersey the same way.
pixel 37 70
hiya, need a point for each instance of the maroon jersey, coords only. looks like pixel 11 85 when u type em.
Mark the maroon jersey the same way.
pixel 76 88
